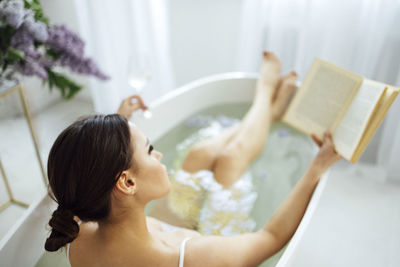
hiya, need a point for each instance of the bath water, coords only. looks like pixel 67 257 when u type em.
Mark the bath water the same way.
pixel 284 160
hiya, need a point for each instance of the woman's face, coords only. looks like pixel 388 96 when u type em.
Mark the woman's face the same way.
pixel 150 174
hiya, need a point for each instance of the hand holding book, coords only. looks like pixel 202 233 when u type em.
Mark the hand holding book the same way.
pixel 351 107
pixel 327 155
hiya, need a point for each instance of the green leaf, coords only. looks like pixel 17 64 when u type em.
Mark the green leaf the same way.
pixel 5 36
pixel 67 87
pixel 27 4
pixel 15 54
pixel 53 53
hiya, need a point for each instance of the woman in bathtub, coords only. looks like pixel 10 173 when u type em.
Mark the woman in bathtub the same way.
pixel 104 171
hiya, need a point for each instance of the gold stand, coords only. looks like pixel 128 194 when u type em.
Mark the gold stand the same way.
pixel 11 198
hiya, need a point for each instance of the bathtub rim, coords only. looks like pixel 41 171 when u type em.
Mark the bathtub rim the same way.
pixel 200 82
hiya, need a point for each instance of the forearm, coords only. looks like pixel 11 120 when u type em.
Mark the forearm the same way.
pixel 286 219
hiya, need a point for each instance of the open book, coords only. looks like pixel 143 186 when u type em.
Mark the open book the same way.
pixel 349 106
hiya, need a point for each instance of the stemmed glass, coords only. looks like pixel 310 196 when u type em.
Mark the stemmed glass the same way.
pixel 139 74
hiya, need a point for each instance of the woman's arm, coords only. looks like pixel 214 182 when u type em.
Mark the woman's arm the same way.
pixel 287 218
pixel 253 248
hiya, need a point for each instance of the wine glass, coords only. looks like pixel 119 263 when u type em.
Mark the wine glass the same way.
pixel 139 74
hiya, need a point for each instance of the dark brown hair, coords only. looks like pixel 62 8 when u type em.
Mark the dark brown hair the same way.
pixel 83 166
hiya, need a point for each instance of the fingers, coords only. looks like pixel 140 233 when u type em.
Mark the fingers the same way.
pixel 327 136
pixel 327 139
pixel 316 140
pixel 329 143
pixel 139 101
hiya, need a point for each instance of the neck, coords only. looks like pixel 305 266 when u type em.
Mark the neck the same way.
pixel 122 224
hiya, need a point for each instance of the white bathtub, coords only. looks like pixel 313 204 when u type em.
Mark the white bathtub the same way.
pixel 24 244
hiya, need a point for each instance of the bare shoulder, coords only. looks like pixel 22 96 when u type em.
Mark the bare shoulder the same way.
pixel 249 249
pixel 152 222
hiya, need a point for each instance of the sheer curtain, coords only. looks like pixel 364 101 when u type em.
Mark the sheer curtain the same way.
pixel 115 29
pixel 359 35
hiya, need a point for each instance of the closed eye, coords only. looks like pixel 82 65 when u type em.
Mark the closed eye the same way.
pixel 150 149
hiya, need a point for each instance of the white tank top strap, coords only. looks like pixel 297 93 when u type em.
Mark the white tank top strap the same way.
pixel 182 251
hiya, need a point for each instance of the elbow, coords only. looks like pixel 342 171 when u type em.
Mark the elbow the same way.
pixel 275 240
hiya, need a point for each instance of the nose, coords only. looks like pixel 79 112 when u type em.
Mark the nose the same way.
pixel 158 155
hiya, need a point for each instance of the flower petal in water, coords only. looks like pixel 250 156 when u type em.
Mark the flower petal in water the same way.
pixel 283 133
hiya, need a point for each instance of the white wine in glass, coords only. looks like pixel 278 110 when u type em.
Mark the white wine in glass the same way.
pixel 139 82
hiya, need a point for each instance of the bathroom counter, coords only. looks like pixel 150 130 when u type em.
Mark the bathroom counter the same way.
pixel 352 220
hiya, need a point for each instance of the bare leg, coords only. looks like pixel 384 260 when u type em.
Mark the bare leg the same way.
pixel 206 155
pixel 230 153
pixel 232 161
pixel 203 155
pixel 283 95
pixel 251 137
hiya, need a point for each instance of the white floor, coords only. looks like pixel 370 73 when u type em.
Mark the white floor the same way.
pixel 356 222
pixel 19 159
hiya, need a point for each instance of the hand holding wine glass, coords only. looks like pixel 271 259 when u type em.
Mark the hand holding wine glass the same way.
pixel 129 106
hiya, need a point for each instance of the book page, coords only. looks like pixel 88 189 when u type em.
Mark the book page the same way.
pixel 323 98
pixel 350 130
pixel 382 108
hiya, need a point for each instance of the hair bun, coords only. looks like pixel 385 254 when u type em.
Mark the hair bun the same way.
pixel 65 229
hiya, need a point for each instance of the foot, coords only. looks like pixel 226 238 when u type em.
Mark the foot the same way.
pixel 283 95
pixel 269 74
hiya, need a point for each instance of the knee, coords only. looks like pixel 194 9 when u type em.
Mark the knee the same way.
pixel 226 169
pixel 225 160
pixel 200 152
pixel 198 158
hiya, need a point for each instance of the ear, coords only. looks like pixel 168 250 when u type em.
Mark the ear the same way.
pixel 126 183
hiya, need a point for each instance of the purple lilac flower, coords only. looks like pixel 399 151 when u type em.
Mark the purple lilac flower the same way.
pixel 23 40
pixel 82 66
pixel 12 12
pixel 32 67
pixel 34 62
pixel 37 28
pixel 72 46
pixel 62 39
pixel 46 62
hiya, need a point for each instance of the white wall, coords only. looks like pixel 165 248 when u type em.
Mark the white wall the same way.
pixel 204 37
